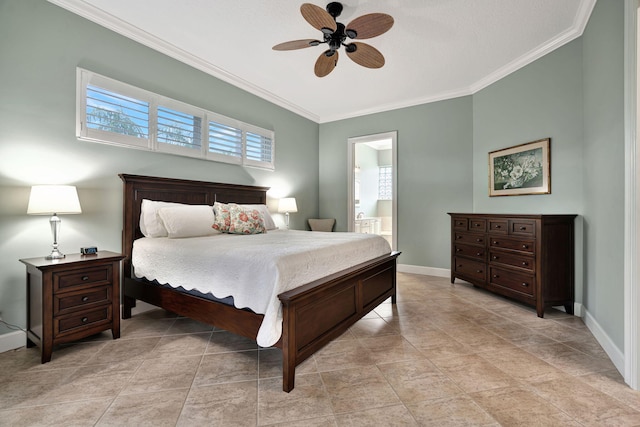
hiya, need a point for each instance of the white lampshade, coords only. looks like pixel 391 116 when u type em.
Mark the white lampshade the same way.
pixel 53 199
pixel 287 204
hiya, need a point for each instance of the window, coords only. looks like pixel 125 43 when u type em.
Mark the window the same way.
pixel 115 113
pixel 385 183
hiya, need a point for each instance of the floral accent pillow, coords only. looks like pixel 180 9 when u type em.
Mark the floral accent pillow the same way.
pixel 234 219
pixel 222 220
pixel 245 221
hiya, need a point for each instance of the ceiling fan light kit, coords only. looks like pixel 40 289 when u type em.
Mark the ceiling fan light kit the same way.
pixel 334 34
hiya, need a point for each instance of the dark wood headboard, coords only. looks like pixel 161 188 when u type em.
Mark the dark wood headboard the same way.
pixel 185 191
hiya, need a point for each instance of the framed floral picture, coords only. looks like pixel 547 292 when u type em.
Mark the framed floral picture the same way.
pixel 519 170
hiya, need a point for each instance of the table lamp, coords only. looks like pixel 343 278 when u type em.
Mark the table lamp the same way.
pixel 54 200
pixel 287 205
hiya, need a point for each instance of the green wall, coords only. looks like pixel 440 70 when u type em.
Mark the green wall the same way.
pixel 603 167
pixel 543 99
pixel 434 173
pixel 40 47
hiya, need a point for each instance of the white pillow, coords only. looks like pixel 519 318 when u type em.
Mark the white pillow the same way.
pixel 269 224
pixel 187 221
pixel 150 224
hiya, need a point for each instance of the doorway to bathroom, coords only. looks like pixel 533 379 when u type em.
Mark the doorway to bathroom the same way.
pixel 372 162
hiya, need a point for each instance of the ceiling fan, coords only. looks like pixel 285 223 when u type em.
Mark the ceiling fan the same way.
pixel 335 34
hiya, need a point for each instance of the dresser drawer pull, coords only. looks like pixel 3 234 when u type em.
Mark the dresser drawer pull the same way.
pixel 497 226
pixel 85 278
pixel 85 319
pixel 478 253
pixel 495 276
pixel 523 228
pixel 525 246
pixel 459 265
pixel 525 263
pixel 495 257
pixel 496 243
pixel 478 240
pixel 85 298
pixel 478 271
pixel 458 237
pixel 525 284
pixel 458 250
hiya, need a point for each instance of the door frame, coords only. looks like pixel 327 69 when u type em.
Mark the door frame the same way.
pixel 351 146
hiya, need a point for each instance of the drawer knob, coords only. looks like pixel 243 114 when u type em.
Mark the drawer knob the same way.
pixel 478 253
pixel 523 228
pixel 85 278
pixel 478 240
pixel 497 226
pixel 458 237
pixel 525 246
pixel 458 250
pixel 85 298
pixel 478 271
pixel 495 276
pixel 525 284
pixel 495 257
pixel 525 263
pixel 496 243
pixel 85 319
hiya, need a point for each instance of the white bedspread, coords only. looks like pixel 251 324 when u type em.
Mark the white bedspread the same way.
pixel 253 269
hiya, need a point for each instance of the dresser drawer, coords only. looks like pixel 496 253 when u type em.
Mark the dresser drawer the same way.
pixel 470 251
pixel 473 269
pixel 84 319
pixel 69 301
pixel 515 260
pixel 468 238
pixel 67 280
pixel 520 282
pixel 478 224
pixel 460 223
pixel 528 246
pixel 498 226
pixel 523 228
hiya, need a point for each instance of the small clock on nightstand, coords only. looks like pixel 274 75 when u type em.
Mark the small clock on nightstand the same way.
pixel 72 298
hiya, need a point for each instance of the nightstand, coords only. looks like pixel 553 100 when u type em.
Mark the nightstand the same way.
pixel 72 298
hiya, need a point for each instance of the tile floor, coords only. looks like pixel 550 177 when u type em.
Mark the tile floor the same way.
pixel 444 355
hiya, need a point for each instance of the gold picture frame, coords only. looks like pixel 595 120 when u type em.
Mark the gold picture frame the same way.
pixel 521 169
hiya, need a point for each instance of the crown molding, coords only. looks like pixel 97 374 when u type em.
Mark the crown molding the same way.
pixel 100 17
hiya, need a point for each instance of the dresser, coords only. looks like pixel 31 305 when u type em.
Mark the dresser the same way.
pixel 72 298
pixel 528 258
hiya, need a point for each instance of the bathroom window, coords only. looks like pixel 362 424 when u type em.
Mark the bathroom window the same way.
pixel 385 183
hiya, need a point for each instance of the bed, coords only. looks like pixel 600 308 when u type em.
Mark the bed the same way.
pixel 313 313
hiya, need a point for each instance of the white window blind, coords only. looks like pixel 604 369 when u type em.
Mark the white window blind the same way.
pixel 116 113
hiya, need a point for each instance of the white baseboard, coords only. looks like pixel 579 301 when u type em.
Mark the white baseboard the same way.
pixel 12 340
pixel 425 271
pixel 614 353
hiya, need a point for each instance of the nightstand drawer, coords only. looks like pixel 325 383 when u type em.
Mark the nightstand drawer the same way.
pixel 70 301
pixel 86 277
pixel 84 319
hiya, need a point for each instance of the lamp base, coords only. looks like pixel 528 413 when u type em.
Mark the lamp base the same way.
pixel 55 254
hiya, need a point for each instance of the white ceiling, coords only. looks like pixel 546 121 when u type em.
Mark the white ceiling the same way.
pixel 437 49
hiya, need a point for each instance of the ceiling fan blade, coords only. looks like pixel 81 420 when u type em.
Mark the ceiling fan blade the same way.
pixel 371 25
pixel 317 17
pixel 366 55
pixel 325 64
pixel 296 44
